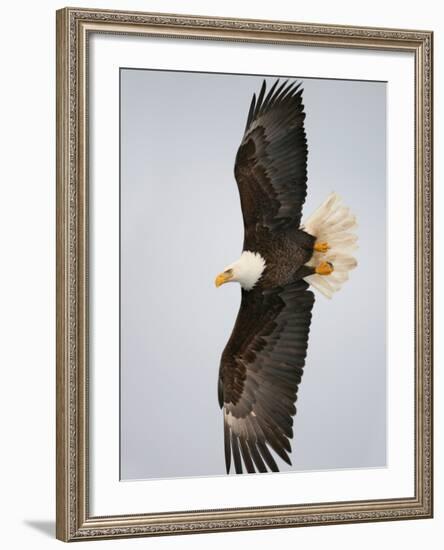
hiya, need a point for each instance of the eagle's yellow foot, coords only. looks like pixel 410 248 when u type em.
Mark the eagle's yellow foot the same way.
pixel 324 268
pixel 321 247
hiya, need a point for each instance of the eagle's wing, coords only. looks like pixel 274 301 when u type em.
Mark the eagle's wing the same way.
pixel 260 371
pixel 271 162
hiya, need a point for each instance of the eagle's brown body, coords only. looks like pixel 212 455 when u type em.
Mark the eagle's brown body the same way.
pixel 285 252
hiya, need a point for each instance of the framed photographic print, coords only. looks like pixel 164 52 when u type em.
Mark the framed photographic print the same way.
pixel 293 161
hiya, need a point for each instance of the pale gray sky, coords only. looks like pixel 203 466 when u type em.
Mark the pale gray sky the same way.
pixel 181 223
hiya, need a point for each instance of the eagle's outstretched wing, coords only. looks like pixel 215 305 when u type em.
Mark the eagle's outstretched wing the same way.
pixel 260 371
pixel 271 162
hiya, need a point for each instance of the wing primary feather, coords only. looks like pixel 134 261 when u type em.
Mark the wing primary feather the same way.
pixel 276 441
pixel 282 92
pixel 288 91
pixel 251 112
pixel 260 98
pixel 236 453
pixel 260 465
pixel 227 445
pixel 269 96
pixel 251 441
pixel 278 91
pixel 296 90
pixel 246 455
pixel 267 456
pixel 255 434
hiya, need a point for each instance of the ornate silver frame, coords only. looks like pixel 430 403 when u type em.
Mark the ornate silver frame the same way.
pixel 74 521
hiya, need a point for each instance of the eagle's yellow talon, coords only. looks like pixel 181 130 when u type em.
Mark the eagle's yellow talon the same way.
pixel 324 268
pixel 321 247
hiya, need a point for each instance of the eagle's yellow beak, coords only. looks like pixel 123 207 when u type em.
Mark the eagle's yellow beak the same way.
pixel 223 278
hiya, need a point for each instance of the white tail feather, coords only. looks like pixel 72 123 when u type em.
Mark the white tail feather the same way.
pixel 332 223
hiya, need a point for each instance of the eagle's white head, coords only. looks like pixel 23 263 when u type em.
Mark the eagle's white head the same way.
pixel 247 270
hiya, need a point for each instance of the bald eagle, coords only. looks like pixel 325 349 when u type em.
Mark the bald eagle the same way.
pixel 262 364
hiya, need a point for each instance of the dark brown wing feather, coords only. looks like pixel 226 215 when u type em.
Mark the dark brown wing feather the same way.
pixel 271 162
pixel 261 368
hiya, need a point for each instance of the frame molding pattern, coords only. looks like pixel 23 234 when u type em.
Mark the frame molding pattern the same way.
pixel 73 520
